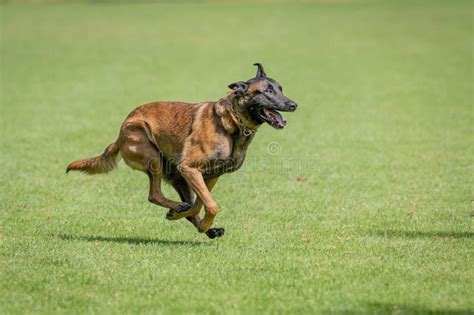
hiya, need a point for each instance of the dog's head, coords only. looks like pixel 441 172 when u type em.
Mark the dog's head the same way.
pixel 260 99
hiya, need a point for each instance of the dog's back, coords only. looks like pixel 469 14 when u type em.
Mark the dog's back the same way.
pixel 165 125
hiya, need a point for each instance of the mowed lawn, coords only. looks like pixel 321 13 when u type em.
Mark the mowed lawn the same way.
pixel 363 204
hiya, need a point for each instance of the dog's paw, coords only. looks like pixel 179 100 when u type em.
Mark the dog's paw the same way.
pixel 177 213
pixel 215 232
pixel 171 215
pixel 183 206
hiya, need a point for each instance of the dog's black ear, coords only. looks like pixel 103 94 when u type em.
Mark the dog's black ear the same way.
pixel 240 87
pixel 260 72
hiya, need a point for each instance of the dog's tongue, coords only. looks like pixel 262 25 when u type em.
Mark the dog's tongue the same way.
pixel 276 118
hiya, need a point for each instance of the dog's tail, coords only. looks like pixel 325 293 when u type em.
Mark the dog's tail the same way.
pixel 99 164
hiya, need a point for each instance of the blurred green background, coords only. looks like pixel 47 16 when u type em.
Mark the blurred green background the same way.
pixel 363 204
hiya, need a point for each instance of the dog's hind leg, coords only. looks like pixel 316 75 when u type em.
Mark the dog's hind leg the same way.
pixel 140 153
pixel 156 195
pixel 183 190
pixel 186 194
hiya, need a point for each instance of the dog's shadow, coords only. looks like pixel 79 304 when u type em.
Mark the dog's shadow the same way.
pixel 129 240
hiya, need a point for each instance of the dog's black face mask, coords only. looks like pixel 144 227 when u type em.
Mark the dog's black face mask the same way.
pixel 263 98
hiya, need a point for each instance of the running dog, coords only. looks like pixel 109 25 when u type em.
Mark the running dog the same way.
pixel 191 145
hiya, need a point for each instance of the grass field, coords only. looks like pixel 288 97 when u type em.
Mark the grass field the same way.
pixel 363 204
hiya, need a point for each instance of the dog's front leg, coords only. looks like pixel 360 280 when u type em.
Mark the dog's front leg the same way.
pixel 194 179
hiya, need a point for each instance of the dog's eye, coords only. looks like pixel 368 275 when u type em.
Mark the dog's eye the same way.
pixel 270 91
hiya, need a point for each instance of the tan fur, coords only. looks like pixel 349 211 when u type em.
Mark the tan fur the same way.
pixel 103 163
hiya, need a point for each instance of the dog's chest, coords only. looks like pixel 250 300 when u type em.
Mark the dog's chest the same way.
pixel 229 156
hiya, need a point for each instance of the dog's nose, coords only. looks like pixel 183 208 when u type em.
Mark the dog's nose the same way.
pixel 291 105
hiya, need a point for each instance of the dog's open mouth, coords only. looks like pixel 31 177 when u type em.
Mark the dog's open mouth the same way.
pixel 273 118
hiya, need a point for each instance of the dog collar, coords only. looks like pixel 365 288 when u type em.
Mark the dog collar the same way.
pixel 246 131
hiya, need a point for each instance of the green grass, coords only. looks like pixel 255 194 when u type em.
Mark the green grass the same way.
pixel 383 135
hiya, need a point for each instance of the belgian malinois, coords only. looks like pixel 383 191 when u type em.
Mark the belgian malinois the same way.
pixel 191 145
